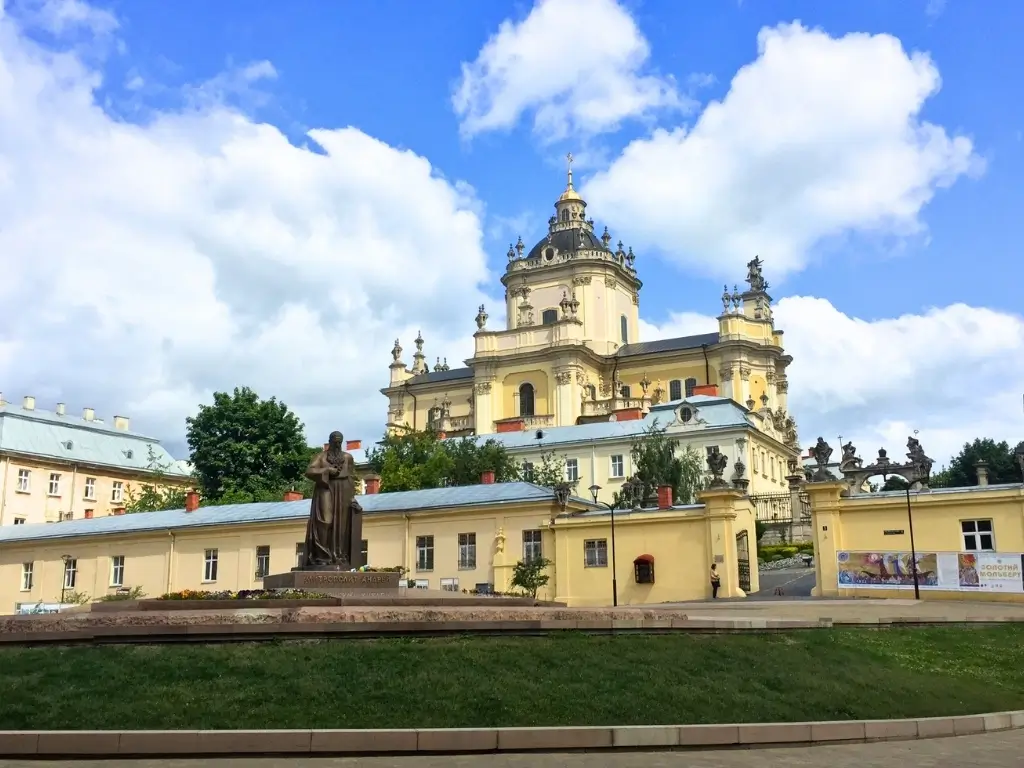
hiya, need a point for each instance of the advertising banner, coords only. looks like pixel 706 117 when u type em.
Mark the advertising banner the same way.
pixel 949 571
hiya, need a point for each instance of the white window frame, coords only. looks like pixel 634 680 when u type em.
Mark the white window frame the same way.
pixel 70 573
pixel 262 554
pixel 24 481
pixel 422 584
pixel 117 571
pixel 595 553
pixel 450 584
pixel 533 550
pixel 117 492
pixel 572 470
pixel 425 553
pixel 53 488
pixel 467 551
pixel 89 493
pixel 27 570
pixel 976 536
pixel 621 466
pixel 528 471
pixel 300 553
pixel 211 559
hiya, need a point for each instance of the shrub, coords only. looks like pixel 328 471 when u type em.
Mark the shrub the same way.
pixel 129 594
pixel 245 594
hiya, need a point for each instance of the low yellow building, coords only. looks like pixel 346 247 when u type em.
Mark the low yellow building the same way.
pixel 968 542
pixel 463 538
pixel 56 466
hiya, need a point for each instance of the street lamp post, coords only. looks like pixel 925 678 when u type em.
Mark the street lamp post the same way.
pixel 629 490
pixel 913 547
pixel 64 579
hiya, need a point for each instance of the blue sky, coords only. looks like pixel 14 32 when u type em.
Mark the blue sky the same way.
pixel 873 289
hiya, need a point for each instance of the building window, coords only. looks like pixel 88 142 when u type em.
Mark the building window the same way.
pixel 62 516
pixel 90 489
pixel 595 553
pixel 210 565
pixel 262 561
pixel 26 576
pixel 625 392
pixel 364 551
pixel 117 571
pixel 54 487
pixel 753 454
pixel 675 390
pixel 434 417
pixel 422 583
pixel 24 478
pixel 117 492
pixel 618 466
pixel 424 553
pixel 532 549
pixel 977 535
pixel 572 470
pixel 772 462
pixel 300 552
pixel 549 317
pixel 690 386
pixel 591 391
pixel 528 471
pixel 450 585
pixel 467 551
pixel 526 399
pixel 70 574
pixel 624 329
pixel 19 521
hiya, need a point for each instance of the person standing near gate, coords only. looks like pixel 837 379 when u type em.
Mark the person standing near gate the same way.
pixel 715 581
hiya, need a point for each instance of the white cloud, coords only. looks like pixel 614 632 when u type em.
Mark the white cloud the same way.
pixel 147 265
pixel 953 373
pixel 63 16
pixel 577 65
pixel 817 138
pixel 934 8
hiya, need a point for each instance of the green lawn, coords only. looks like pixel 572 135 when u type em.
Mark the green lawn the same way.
pixel 562 679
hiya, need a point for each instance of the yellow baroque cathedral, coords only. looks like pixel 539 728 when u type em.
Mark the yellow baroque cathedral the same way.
pixel 571 354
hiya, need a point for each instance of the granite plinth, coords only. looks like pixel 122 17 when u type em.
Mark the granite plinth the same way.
pixel 334 581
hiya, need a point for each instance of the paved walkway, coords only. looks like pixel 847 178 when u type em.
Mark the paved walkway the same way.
pixel 794 582
pixel 849 609
pixel 992 750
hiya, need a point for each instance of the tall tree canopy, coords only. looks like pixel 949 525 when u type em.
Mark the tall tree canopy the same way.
pixel 414 460
pixel 1002 465
pixel 246 449
pixel 658 461
pixel 157 494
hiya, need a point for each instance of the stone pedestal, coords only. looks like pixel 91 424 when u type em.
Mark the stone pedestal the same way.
pixel 335 581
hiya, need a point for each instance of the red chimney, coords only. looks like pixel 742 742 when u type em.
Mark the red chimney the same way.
pixel 118 510
pixel 372 485
pixel 191 501
pixel 292 496
pixel 88 514
pixel 664 496
pixel 353 445
pixel 487 477
pixel 706 389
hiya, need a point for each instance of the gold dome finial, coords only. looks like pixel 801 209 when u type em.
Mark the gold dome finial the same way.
pixel 570 192
pixel 568 158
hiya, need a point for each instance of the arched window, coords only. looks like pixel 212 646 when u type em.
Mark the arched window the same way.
pixel 624 329
pixel 625 391
pixel 526 399
pixel 675 390
pixel 592 391
pixel 433 417
pixel 690 384
pixel 549 317
pixel 565 214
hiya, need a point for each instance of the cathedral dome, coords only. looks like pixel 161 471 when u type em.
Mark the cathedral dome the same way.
pixel 567 241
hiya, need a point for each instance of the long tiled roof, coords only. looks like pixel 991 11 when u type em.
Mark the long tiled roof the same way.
pixel 717 412
pixel 71 438
pixel 433 377
pixel 403 501
pixel 667 345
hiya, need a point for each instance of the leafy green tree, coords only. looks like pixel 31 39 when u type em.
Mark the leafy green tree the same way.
pixel 159 493
pixel 894 483
pixel 245 447
pixel 658 461
pixel 414 460
pixel 1002 465
pixel 529 575
pixel 550 471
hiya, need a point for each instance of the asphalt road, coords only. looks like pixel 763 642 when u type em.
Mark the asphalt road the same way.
pixel 991 750
pixel 795 582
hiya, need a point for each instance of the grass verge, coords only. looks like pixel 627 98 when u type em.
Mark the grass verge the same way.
pixel 562 679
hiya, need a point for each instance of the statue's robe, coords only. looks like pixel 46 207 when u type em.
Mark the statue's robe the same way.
pixel 334 530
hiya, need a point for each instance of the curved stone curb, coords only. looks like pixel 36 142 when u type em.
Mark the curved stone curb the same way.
pixel 469 740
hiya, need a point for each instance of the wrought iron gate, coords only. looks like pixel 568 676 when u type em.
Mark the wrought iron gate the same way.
pixel 743 560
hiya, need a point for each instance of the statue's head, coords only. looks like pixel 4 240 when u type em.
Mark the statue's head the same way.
pixel 335 441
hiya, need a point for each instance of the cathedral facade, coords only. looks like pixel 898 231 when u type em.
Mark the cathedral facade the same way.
pixel 571 355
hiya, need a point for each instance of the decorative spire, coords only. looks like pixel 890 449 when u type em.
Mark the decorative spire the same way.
pixel 520 247
pixel 396 353
pixel 444 365
pixel 630 258
pixel 481 318
pixel 419 364
pixel 511 252
pixel 606 238
pixel 569 159
pixel 437 365
pixel 564 304
pixel 726 300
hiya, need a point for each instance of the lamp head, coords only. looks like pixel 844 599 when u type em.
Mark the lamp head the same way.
pixel 594 490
